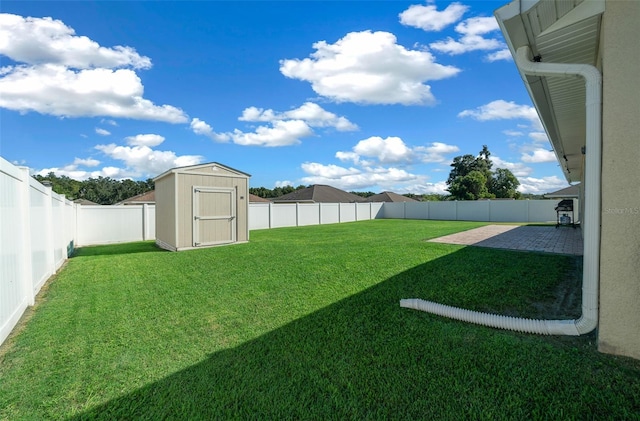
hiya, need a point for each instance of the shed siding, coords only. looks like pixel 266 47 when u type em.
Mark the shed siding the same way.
pixel 165 210
pixel 186 182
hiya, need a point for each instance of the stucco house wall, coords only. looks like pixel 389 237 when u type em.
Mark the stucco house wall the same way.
pixel 619 324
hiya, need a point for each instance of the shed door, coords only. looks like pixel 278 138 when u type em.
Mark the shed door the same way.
pixel 214 216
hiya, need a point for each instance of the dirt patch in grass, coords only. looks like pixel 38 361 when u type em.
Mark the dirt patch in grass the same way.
pixel 568 295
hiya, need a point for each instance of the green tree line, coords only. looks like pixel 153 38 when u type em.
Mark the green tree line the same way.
pixel 101 190
pixel 471 178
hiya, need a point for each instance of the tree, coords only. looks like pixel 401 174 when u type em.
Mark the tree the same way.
pixel 471 178
pixel 105 191
pixel 504 184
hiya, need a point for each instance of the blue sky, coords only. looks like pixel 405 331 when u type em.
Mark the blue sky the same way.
pixel 360 95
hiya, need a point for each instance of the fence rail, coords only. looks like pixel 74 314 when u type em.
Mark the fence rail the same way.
pixel 39 228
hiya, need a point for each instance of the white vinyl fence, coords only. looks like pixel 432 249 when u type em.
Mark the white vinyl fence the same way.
pixel 115 224
pixel 278 215
pixel 481 210
pixel 37 229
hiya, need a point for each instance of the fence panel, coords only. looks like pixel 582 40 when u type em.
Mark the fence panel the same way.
pixel 283 215
pixel 259 216
pixel 416 210
pixel 446 211
pixel 394 211
pixel 115 224
pixel 329 213
pixel 34 235
pixel 14 294
pixel 308 214
pixel 347 212
pixel 473 210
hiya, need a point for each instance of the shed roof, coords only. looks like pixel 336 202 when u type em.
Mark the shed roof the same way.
pixel 208 165
pixel 388 196
pixel 557 32
pixel 320 193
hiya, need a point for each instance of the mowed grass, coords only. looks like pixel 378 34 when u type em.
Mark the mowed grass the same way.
pixel 305 323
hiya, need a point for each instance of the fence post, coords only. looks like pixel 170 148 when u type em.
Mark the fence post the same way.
pixel 270 214
pixel 145 221
pixel 49 235
pixel 26 282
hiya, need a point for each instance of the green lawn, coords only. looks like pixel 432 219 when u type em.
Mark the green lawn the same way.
pixel 305 323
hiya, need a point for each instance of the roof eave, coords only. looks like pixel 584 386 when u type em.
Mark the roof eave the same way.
pixel 511 19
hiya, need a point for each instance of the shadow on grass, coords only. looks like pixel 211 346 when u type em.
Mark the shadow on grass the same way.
pixel 119 248
pixel 364 357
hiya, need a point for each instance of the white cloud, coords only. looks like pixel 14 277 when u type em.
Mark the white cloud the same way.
pixel 150 140
pixel 283 183
pixel 144 161
pixel 281 133
pixel 73 172
pixel 102 132
pixel 45 40
pixel 369 68
pixel 539 155
pixel 517 168
pixel 200 127
pixel 352 178
pixel 61 74
pixel 309 112
pixel 425 188
pixel 109 122
pixel 389 150
pixel 513 133
pixel 503 110
pixel 394 150
pixel 472 38
pixel 328 171
pixel 283 129
pixel 541 185
pixel 429 18
pixel 503 54
pixel 539 137
pixel 88 162
pixel 56 90
pixel 436 152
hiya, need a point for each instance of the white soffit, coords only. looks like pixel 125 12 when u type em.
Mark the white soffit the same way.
pixel 559 31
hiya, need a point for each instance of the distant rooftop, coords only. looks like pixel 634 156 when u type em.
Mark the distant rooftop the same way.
pixel 388 196
pixel 319 193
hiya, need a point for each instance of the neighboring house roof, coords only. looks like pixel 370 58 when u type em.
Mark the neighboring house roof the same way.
pixel 557 32
pixel 566 193
pixel 140 199
pixel 85 202
pixel 319 193
pixel 388 196
pixel 257 199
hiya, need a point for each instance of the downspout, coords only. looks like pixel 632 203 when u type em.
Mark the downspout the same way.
pixel 591 260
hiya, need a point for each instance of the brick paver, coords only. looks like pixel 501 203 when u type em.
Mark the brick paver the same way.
pixel 562 240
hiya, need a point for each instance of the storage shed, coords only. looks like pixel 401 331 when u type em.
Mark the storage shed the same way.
pixel 201 206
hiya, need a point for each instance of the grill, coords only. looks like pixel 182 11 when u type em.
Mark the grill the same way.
pixel 563 209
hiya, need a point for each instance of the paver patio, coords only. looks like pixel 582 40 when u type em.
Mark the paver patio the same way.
pixel 562 240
